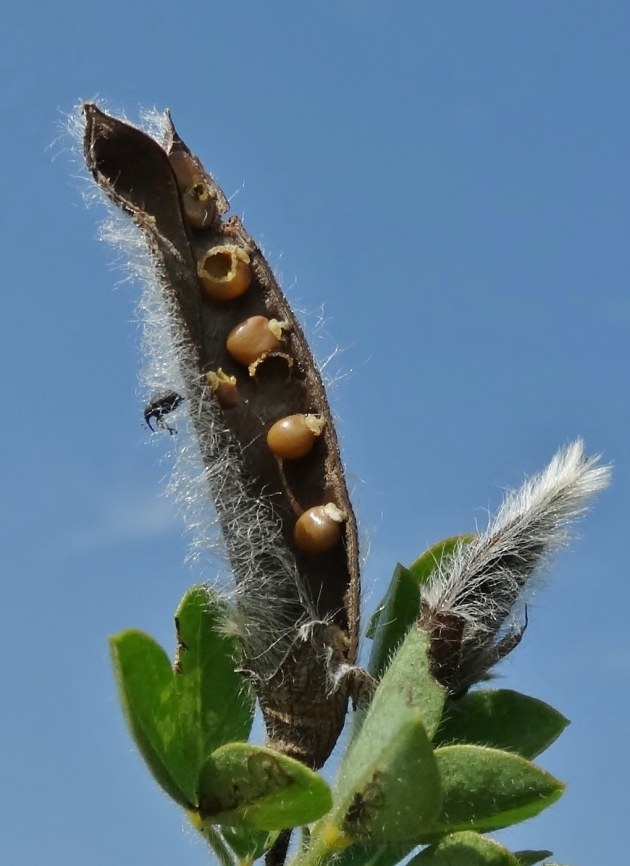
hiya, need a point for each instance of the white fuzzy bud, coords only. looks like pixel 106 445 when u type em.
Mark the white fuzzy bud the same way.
pixel 471 597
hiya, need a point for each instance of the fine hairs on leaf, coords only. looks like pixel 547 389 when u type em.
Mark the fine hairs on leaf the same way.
pixel 469 600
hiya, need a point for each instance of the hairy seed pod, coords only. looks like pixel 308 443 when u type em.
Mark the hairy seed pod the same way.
pixel 254 338
pixel 224 388
pixel 290 606
pixel 293 437
pixel 224 272
pixel 319 528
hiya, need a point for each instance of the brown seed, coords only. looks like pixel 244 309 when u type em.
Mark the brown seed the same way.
pixel 224 388
pixel 197 203
pixel 199 207
pixel 254 338
pixel 224 272
pixel 319 528
pixel 294 436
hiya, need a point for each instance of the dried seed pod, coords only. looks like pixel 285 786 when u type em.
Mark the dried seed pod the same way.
pixel 224 388
pixel 319 528
pixel 293 437
pixel 254 338
pixel 255 494
pixel 198 203
pixel 224 272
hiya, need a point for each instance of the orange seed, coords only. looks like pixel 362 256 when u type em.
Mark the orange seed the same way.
pixel 224 388
pixel 224 272
pixel 318 529
pixel 294 436
pixel 254 338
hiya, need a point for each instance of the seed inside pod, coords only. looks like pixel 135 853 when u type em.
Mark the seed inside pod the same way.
pixel 294 436
pixel 224 388
pixel 254 338
pixel 319 528
pixel 224 272
pixel 197 203
pixel 199 207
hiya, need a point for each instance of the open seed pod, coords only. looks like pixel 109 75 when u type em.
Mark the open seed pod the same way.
pixel 246 365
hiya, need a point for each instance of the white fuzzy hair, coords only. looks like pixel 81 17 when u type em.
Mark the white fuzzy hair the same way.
pixel 483 578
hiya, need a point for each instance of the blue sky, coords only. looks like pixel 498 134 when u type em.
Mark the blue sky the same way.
pixel 450 181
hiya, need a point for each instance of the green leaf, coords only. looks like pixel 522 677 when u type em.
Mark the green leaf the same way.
pixel 528 858
pixel 465 849
pixel 248 843
pixel 388 785
pixel 486 789
pixel 217 702
pixel 402 595
pixel 145 682
pixel 400 607
pixel 178 716
pixel 373 855
pixel 502 719
pixel 399 793
pixel 394 618
pixel 424 566
pixel 243 784
pixel 409 681
pixel 214 839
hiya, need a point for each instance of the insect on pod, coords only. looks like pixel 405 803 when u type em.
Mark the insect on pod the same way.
pixel 159 406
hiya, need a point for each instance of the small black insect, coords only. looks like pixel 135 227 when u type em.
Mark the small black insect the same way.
pixel 158 407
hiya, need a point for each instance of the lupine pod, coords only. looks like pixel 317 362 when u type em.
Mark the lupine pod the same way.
pixel 316 607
